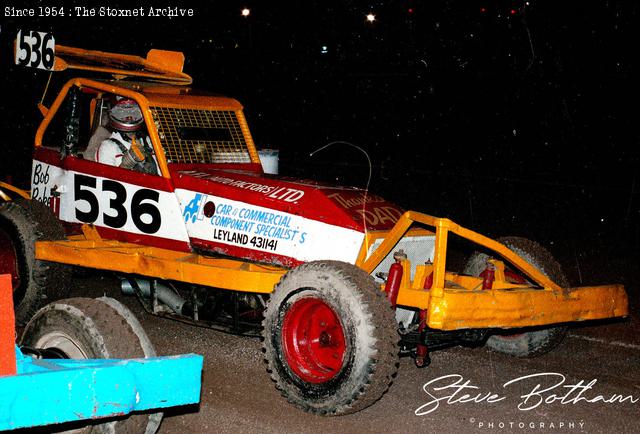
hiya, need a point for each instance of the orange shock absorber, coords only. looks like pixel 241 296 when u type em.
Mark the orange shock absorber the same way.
pixel 395 277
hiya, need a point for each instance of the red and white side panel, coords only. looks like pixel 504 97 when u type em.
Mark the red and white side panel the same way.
pixel 217 221
pixel 129 211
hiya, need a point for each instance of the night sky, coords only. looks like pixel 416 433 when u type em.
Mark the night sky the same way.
pixel 510 117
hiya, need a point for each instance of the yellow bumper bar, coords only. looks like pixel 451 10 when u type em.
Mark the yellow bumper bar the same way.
pixel 458 309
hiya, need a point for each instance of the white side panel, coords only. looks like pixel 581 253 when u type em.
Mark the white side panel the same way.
pixel 266 230
pixel 109 203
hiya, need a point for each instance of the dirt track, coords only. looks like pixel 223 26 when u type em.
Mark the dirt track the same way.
pixel 238 396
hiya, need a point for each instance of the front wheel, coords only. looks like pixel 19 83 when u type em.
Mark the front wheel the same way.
pixel 330 338
pixel 529 342
pixel 85 328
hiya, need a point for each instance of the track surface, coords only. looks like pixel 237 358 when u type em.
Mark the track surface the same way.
pixel 238 396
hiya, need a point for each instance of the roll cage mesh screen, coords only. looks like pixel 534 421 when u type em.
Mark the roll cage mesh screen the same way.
pixel 200 136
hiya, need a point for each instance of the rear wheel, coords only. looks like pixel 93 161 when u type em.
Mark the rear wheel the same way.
pixel 330 338
pixel 85 328
pixel 529 342
pixel 22 223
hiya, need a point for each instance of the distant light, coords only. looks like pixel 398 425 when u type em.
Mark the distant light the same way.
pixel 371 18
pixel 513 11
pixel 483 10
pixel 324 49
pixel 246 12
pixel 410 10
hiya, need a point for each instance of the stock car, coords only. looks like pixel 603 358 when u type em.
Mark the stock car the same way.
pixel 336 280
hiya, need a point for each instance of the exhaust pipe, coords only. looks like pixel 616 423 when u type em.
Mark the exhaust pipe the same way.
pixel 165 294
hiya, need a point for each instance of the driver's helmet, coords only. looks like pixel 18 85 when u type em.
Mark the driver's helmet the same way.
pixel 126 116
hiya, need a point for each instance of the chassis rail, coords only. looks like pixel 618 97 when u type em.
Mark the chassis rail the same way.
pixel 15 190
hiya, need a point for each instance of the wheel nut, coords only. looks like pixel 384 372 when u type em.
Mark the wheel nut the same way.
pixel 325 339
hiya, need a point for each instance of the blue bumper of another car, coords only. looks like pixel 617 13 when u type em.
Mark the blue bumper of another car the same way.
pixel 51 391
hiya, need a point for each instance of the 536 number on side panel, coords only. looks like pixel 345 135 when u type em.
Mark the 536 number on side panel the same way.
pixel 117 212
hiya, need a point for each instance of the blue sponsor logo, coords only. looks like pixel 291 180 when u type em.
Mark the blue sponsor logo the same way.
pixel 193 210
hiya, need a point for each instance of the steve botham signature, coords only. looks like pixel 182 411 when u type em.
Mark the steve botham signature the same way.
pixel 454 389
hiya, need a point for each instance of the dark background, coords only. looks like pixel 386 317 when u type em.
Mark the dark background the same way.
pixel 510 117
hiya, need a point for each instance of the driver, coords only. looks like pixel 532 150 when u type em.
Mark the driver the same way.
pixel 128 146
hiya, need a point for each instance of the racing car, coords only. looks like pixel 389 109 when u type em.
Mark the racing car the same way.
pixel 337 281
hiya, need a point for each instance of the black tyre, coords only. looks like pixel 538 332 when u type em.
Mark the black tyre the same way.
pixel 86 328
pixel 330 338
pixel 526 342
pixel 22 223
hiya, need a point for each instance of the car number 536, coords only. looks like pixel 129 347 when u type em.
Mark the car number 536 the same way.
pixel 114 206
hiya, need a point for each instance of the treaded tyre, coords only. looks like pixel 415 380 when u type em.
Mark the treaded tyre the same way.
pixel 22 223
pixel 330 338
pixel 86 328
pixel 530 342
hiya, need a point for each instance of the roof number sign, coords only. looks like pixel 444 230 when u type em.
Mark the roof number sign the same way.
pixel 35 49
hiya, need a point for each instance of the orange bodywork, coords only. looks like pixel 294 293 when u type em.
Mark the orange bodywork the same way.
pixel 159 65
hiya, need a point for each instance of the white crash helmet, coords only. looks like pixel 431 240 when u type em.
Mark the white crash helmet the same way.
pixel 126 116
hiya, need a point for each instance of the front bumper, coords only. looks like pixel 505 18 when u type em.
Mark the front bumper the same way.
pixel 455 301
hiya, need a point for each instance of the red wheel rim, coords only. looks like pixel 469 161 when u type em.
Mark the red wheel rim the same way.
pixel 8 258
pixel 313 340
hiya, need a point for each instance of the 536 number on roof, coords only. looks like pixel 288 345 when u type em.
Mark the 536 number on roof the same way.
pixel 35 49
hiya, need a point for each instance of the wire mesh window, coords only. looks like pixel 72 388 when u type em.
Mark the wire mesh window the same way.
pixel 201 136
